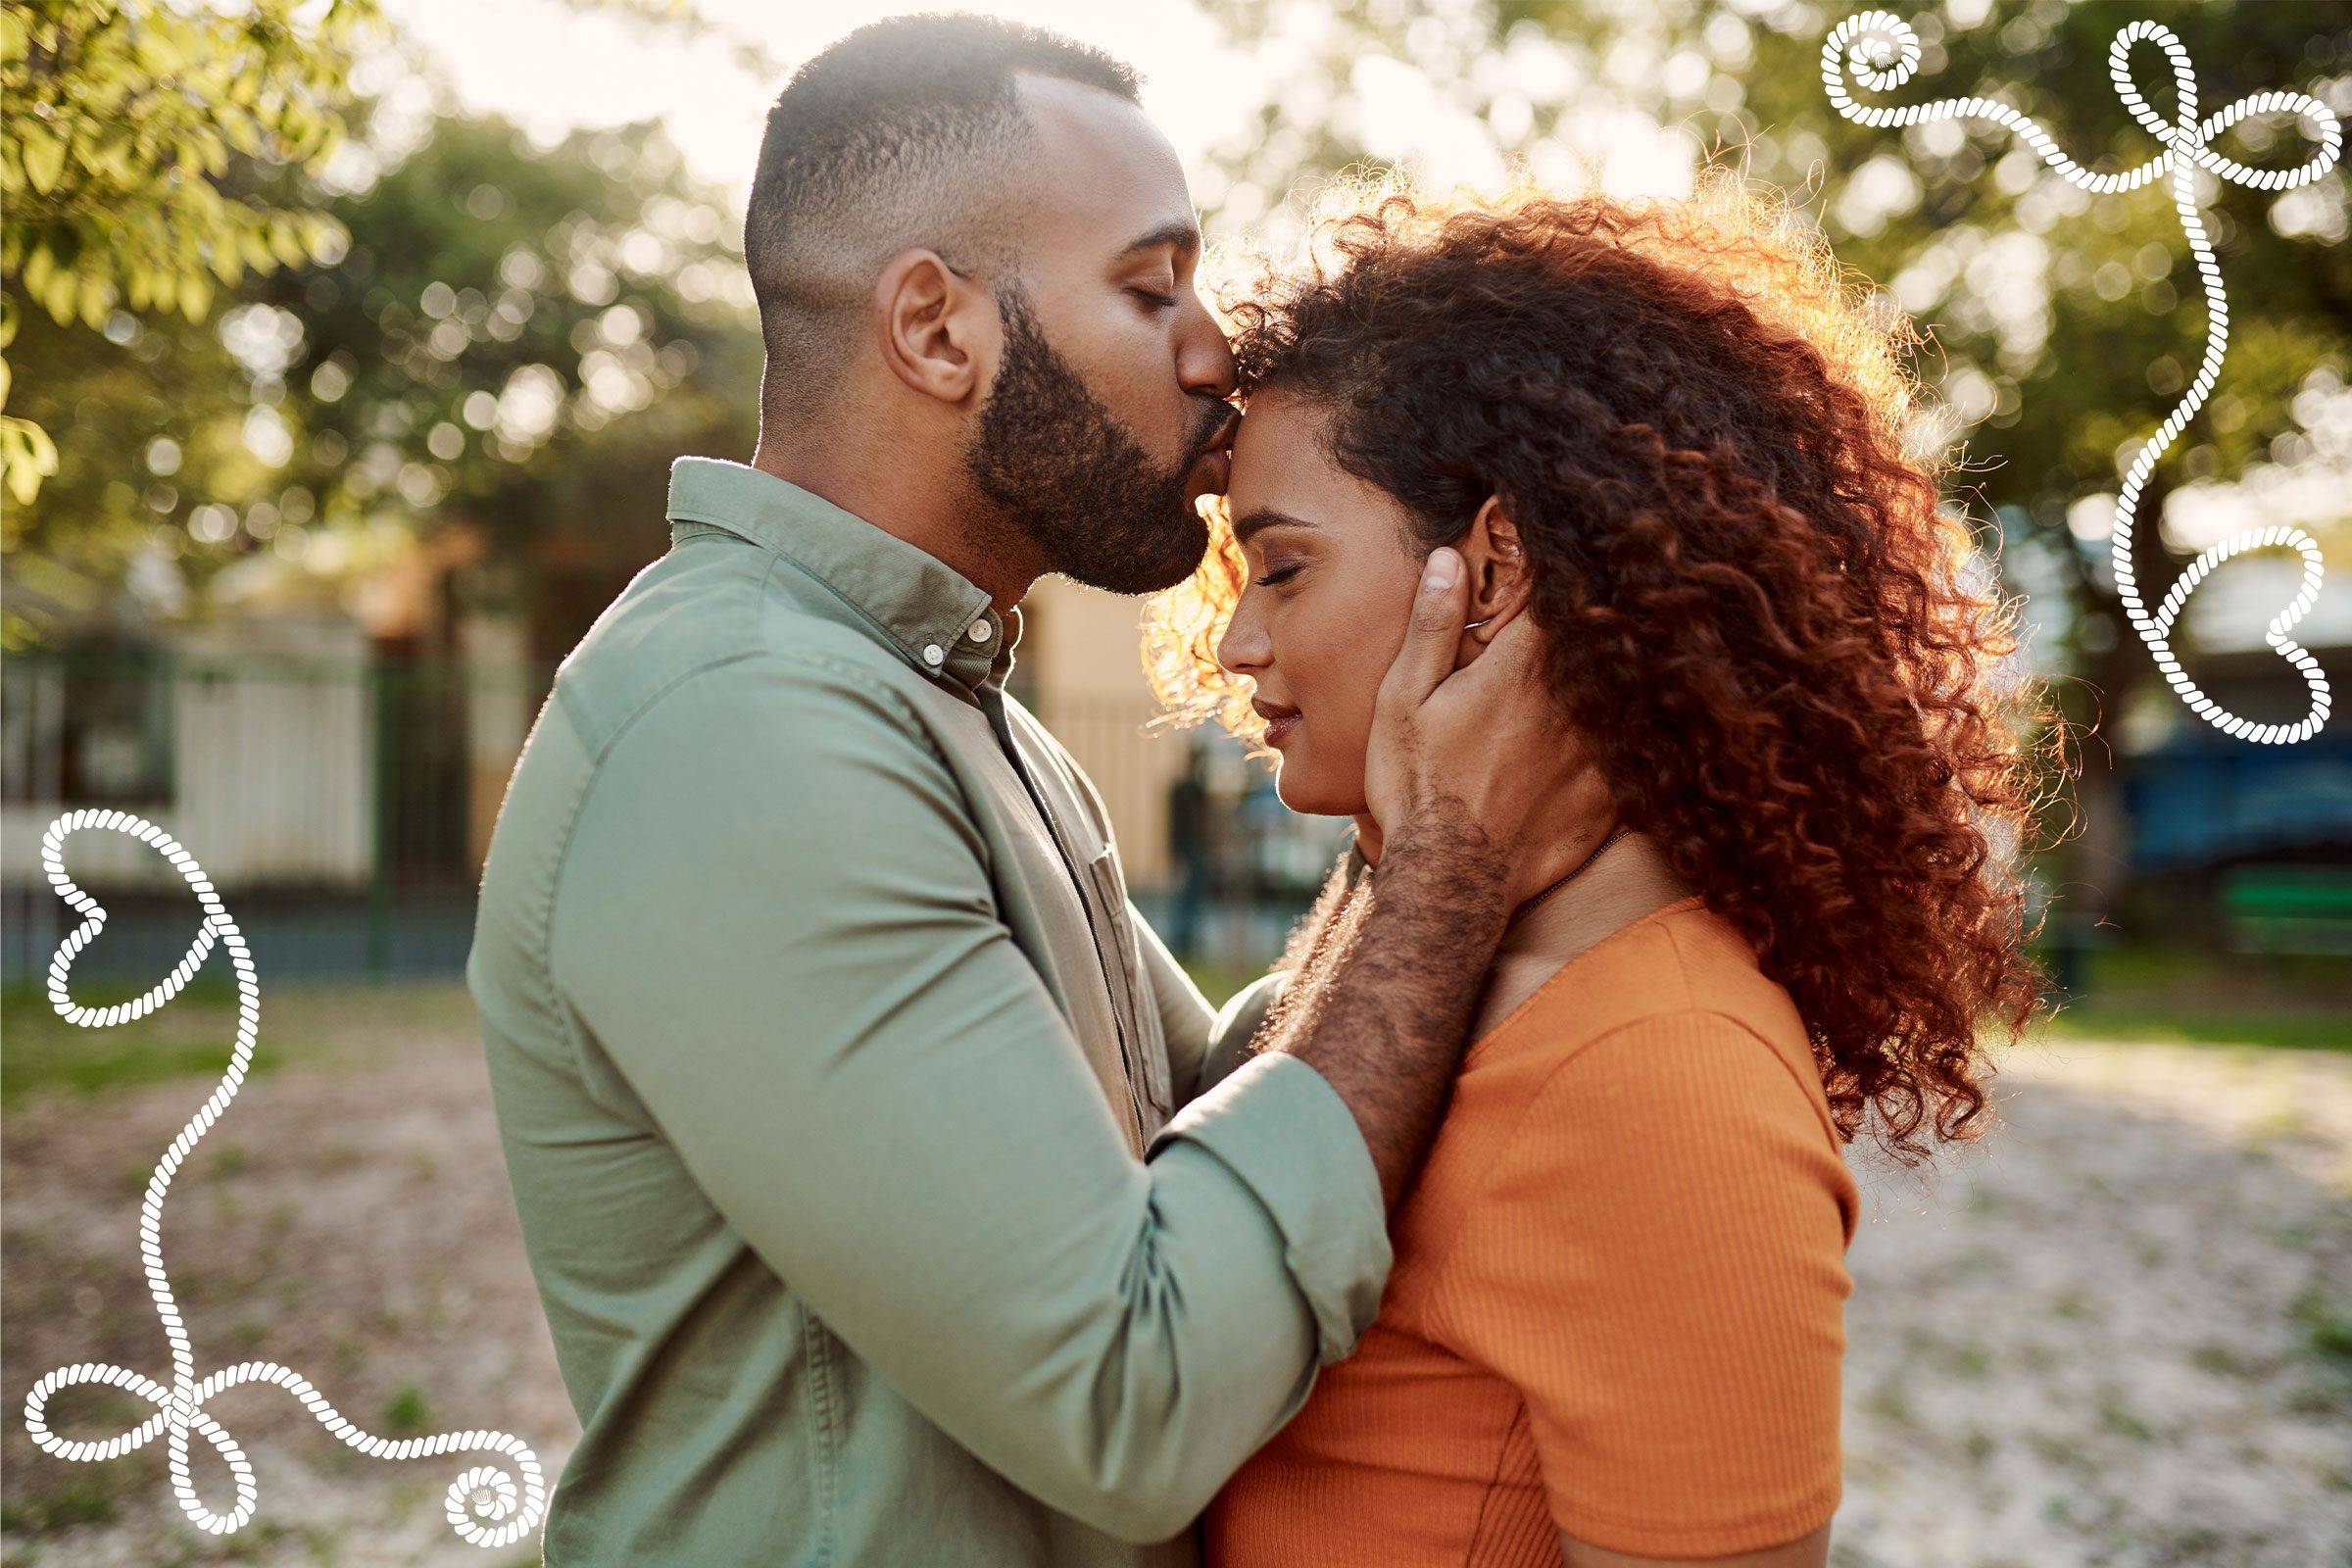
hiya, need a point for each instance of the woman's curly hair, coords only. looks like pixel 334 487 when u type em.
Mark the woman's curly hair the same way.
pixel 1793 663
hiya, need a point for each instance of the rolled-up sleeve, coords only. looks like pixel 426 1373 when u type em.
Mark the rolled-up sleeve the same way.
pixel 1285 1134
pixel 775 917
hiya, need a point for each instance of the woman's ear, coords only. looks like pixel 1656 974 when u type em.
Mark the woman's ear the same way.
pixel 1497 564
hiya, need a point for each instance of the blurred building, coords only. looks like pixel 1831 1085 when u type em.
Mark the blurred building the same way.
pixel 336 763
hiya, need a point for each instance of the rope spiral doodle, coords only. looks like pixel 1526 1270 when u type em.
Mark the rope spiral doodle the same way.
pixel 482 1504
pixel 2187 148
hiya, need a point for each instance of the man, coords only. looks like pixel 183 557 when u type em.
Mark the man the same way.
pixel 846 1102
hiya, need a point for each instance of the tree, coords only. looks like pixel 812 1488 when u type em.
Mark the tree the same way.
pixel 2059 325
pixel 118 121
pixel 237 408
pixel 515 339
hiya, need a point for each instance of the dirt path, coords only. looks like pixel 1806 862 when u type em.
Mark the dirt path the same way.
pixel 2114 1335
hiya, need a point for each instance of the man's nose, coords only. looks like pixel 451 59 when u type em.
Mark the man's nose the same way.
pixel 1206 363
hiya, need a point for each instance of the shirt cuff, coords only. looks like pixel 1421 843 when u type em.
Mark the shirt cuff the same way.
pixel 1280 1127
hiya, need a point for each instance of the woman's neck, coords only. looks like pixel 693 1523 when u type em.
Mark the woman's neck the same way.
pixel 1625 882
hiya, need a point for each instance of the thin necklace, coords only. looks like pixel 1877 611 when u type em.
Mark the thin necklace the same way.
pixel 1564 881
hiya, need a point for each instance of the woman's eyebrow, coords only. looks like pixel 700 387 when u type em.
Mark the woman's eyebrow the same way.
pixel 1251 523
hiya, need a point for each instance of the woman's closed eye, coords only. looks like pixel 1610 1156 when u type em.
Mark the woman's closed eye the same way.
pixel 1280 574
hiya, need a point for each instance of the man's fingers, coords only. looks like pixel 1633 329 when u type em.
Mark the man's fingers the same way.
pixel 1434 635
pixel 1507 687
pixel 1513 660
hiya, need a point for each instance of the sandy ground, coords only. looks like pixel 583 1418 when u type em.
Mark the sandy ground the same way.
pixel 2113 1334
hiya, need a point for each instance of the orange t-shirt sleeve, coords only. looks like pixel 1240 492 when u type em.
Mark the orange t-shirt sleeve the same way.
pixel 1658 1262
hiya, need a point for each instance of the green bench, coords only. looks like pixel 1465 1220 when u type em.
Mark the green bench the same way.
pixel 2288 908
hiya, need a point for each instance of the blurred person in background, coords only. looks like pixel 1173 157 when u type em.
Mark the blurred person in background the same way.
pixel 1661 434
pixel 1191 848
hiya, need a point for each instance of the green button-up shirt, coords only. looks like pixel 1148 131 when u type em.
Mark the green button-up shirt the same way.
pixel 849 1104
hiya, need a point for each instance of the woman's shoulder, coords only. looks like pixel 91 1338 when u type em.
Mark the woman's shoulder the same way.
pixel 1635 1119
pixel 1680 958
pixel 1675 1003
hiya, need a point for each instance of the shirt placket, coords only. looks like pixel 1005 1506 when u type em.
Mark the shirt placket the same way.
pixel 992 703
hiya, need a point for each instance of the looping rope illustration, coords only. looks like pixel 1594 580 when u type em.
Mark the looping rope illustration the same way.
pixel 1881 52
pixel 482 1504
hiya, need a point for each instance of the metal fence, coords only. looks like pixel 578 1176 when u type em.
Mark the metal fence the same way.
pixel 343 805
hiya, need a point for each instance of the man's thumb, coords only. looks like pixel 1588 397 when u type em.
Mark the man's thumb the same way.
pixel 1436 632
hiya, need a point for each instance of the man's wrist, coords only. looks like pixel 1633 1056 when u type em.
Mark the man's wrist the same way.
pixel 1440 856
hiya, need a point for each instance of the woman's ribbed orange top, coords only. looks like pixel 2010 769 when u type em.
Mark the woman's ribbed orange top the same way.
pixel 1618 1299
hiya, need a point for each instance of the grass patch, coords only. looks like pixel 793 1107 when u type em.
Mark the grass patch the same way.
pixel 1220 981
pixel 2285 1032
pixel 2326 1331
pixel 75 1502
pixel 2204 996
pixel 194 1035
pixel 405 1414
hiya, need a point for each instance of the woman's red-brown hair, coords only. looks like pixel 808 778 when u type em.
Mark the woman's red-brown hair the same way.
pixel 1793 663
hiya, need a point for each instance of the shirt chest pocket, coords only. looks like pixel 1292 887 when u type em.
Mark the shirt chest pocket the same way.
pixel 1123 967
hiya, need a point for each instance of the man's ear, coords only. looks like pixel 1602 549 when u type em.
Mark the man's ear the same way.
pixel 939 329
pixel 1497 564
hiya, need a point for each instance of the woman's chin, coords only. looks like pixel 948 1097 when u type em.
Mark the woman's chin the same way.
pixel 1299 789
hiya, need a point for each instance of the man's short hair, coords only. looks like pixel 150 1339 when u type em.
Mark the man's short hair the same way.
pixel 899 134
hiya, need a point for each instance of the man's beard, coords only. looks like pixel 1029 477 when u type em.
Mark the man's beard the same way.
pixel 1058 465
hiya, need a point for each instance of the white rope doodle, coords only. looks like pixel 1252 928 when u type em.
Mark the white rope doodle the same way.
pixel 481 1504
pixel 2187 148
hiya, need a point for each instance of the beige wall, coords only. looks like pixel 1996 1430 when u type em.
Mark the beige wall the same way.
pixel 1081 648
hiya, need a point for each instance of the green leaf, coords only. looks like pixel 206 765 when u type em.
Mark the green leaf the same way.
pixel 61 296
pixel 159 53
pixel 285 240
pixel 44 155
pixel 28 455
pixel 97 301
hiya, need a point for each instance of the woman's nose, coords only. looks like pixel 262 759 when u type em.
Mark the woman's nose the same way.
pixel 1242 649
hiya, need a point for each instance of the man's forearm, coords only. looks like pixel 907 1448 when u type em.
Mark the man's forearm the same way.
pixel 1385 997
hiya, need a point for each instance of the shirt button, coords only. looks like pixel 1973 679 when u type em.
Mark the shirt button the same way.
pixel 979 631
pixel 932 654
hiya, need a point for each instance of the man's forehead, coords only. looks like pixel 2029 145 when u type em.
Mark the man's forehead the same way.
pixel 1107 167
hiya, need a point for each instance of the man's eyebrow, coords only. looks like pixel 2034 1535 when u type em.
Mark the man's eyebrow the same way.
pixel 1251 523
pixel 1181 232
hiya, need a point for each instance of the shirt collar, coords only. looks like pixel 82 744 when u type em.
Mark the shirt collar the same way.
pixel 934 616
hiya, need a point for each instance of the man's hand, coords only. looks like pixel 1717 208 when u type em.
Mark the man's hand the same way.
pixel 1483 797
pixel 1480 755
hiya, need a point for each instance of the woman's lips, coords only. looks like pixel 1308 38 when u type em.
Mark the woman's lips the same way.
pixel 1277 720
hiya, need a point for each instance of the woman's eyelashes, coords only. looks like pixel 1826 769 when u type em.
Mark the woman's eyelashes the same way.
pixel 1281 574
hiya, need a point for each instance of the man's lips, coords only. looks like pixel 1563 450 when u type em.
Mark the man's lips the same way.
pixel 1215 461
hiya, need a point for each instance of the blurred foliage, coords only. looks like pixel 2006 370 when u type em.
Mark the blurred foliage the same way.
pixel 2060 327
pixel 119 120
pixel 498 336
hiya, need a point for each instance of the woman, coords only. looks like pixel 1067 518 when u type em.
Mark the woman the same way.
pixel 1615 1320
